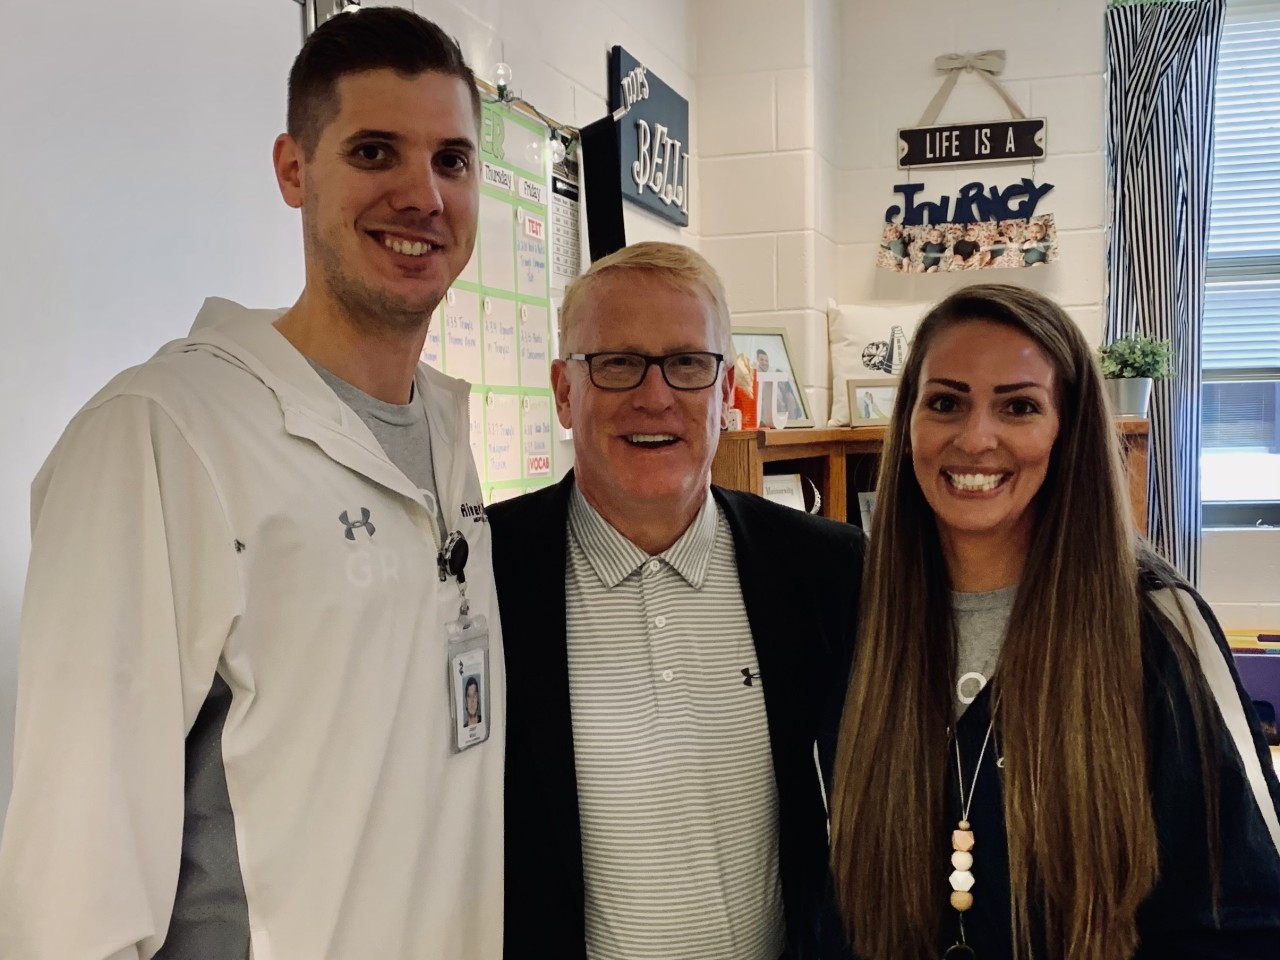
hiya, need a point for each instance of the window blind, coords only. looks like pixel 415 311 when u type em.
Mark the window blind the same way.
pixel 1242 309
pixel 1242 324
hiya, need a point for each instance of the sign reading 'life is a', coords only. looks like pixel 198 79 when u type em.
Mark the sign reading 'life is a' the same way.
pixel 993 142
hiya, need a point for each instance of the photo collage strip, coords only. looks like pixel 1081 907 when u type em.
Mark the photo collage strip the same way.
pixel 983 245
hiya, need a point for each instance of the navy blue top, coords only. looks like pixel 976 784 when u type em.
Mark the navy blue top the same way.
pixel 1176 921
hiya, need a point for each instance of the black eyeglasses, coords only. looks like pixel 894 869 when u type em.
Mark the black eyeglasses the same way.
pixel 694 370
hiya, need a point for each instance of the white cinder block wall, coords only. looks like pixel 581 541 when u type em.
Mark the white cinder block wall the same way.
pixel 1055 59
pixel 798 104
pixel 767 76
pixel 799 101
pixel 558 51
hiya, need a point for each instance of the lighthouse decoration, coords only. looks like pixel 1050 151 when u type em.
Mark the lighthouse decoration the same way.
pixel 887 356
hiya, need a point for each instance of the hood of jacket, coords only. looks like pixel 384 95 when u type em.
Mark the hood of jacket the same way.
pixel 249 339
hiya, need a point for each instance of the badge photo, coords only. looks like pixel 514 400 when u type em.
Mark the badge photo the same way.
pixel 471 700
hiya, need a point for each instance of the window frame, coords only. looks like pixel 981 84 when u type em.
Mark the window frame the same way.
pixel 1235 268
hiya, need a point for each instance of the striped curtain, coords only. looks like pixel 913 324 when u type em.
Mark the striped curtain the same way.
pixel 1162 60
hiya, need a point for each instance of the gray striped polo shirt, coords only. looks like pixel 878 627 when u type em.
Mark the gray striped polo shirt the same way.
pixel 678 802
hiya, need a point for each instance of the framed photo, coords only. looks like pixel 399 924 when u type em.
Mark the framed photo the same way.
pixel 871 401
pixel 769 352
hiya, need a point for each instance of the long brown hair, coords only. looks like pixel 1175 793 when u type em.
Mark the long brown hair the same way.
pixel 1069 685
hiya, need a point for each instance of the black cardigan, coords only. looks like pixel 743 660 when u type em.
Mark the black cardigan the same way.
pixel 1176 921
pixel 800 578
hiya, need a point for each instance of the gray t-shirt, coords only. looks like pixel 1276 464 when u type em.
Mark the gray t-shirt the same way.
pixel 401 430
pixel 981 621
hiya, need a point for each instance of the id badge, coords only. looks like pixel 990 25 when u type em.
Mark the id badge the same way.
pixel 468 678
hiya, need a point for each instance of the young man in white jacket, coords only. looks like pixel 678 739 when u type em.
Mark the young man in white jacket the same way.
pixel 248 630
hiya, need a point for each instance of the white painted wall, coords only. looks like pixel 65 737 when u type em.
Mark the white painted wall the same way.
pixel 137 181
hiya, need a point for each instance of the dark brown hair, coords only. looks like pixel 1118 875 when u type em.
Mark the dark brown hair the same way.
pixel 381 38
pixel 1069 686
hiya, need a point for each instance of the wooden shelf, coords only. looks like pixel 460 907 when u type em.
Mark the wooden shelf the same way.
pixel 821 455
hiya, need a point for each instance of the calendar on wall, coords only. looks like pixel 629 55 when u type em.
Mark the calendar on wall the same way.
pixel 493 328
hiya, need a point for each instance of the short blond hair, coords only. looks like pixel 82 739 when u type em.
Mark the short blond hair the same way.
pixel 681 266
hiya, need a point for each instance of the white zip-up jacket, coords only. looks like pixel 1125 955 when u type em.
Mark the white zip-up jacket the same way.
pixel 233 724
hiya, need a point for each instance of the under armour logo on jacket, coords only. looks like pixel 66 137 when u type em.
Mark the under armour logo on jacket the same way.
pixel 362 522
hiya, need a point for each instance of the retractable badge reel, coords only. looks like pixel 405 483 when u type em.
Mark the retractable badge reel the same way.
pixel 468 654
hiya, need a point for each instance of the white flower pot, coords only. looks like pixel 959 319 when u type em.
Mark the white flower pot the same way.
pixel 1130 396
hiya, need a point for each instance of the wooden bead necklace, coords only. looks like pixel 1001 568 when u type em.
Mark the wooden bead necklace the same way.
pixel 962 850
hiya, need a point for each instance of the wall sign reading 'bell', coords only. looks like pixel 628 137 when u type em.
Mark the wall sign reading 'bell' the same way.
pixel 653 138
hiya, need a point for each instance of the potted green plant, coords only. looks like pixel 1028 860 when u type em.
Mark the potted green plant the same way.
pixel 1130 365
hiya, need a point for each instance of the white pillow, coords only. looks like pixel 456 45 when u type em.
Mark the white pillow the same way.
pixel 869 341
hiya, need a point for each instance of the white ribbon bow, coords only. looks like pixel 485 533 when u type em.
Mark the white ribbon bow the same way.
pixel 989 61
pixel 986 65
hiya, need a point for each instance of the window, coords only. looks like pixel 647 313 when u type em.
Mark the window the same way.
pixel 1240 419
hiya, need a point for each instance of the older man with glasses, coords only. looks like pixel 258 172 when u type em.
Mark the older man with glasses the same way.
pixel 676 653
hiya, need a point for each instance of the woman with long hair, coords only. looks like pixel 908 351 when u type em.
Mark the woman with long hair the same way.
pixel 1045 752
